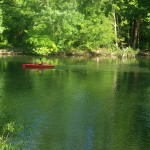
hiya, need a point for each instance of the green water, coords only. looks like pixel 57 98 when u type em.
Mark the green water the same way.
pixel 82 104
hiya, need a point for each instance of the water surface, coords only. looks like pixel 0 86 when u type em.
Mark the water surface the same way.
pixel 82 104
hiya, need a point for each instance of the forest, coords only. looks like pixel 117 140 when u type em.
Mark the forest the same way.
pixel 54 26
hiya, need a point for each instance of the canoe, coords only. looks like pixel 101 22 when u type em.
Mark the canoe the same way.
pixel 36 66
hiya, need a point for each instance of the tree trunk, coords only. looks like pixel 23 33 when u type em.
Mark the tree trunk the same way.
pixel 136 32
pixel 115 23
pixel 115 28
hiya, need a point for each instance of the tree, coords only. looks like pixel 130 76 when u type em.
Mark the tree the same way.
pixel 47 26
pixel 130 14
pixel 97 30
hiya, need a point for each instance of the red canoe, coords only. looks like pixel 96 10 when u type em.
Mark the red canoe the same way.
pixel 36 66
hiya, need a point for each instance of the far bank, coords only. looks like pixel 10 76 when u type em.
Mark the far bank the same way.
pixel 104 52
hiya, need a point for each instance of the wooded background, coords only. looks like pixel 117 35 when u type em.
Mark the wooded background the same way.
pixel 49 26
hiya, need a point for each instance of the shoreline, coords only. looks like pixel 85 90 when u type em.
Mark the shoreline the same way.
pixel 98 53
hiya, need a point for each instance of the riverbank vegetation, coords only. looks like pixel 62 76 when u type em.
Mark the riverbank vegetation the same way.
pixel 8 131
pixel 103 27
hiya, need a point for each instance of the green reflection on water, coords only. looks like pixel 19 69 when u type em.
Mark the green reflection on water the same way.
pixel 91 104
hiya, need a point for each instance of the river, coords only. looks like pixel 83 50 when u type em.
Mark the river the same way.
pixel 81 104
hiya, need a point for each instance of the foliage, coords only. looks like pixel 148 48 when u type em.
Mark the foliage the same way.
pixel 45 27
pixel 129 52
pixel 55 29
pixel 8 129
pixel 97 30
pixel 7 133
pixel 131 22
